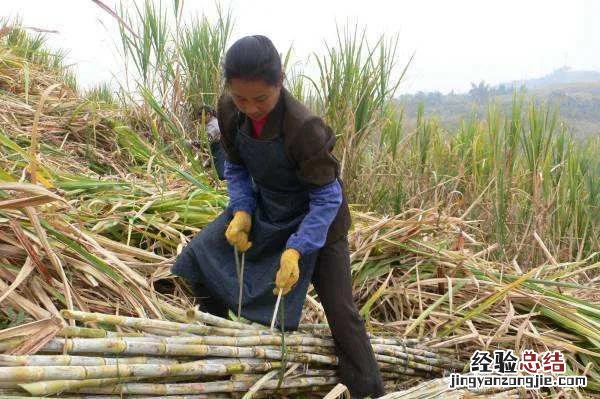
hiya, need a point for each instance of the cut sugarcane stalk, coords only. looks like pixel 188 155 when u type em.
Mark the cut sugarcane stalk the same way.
pixel 149 324
pixel 207 387
pixel 204 368
pixel 275 310
pixel 241 281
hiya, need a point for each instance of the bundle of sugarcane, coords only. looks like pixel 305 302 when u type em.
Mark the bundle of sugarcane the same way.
pixel 208 354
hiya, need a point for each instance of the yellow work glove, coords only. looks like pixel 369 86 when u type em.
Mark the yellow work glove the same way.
pixel 288 273
pixel 238 229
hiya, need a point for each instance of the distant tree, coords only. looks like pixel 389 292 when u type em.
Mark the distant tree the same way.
pixel 480 91
pixel 503 89
pixel 435 97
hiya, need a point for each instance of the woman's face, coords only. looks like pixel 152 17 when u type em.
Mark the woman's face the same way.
pixel 255 98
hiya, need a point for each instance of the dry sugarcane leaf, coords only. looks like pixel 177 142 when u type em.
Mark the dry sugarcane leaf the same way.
pixel 126 271
pixel 39 339
pixel 11 251
pixel 24 329
pixel 23 274
pixel 137 281
pixel 41 233
pixel 33 253
pixel 121 248
pixel 33 150
pixel 259 384
pixel 39 292
pixel 338 391
pixel 118 291
pixel 20 302
pixel 35 190
pixel 17 203
pixel 505 324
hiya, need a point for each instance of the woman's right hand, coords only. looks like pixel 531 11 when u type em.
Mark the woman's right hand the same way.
pixel 238 230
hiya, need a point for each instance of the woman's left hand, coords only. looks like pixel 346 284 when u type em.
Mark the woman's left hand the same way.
pixel 288 273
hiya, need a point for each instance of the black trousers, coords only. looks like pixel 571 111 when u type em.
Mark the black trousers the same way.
pixel 357 367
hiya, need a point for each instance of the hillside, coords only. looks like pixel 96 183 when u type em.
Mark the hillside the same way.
pixel 577 101
pixel 560 76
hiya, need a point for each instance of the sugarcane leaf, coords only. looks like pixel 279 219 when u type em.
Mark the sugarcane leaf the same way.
pixel 492 299
pixel 92 259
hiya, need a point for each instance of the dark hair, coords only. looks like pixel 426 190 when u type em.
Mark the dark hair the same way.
pixel 208 110
pixel 253 57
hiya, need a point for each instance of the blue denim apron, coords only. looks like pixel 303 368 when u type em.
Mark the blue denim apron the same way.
pixel 282 202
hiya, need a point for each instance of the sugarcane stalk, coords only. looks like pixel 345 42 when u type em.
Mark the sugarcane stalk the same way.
pixel 245 377
pixel 395 352
pixel 143 323
pixel 239 268
pixel 408 363
pixel 279 294
pixel 318 350
pixel 319 373
pixel 52 387
pixel 195 314
pixel 154 346
pixel 395 341
pixel 9 385
pixel 196 369
pixel 257 340
pixel 417 355
pixel 68 360
pixel 118 346
pixel 205 387
pixel 99 344
pixel 85 332
pixel 403 370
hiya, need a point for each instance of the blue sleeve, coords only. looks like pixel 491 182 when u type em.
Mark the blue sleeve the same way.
pixel 239 188
pixel 312 233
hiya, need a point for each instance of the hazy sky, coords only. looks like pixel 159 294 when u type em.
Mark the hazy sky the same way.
pixel 456 42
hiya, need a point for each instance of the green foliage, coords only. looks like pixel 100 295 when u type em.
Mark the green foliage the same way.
pixel 517 173
pixel 13 318
pixel 202 45
pixel 177 71
pixel 354 86
pixel 145 40
pixel 101 93
pixel 32 47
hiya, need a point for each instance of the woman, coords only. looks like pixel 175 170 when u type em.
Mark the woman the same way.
pixel 287 214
